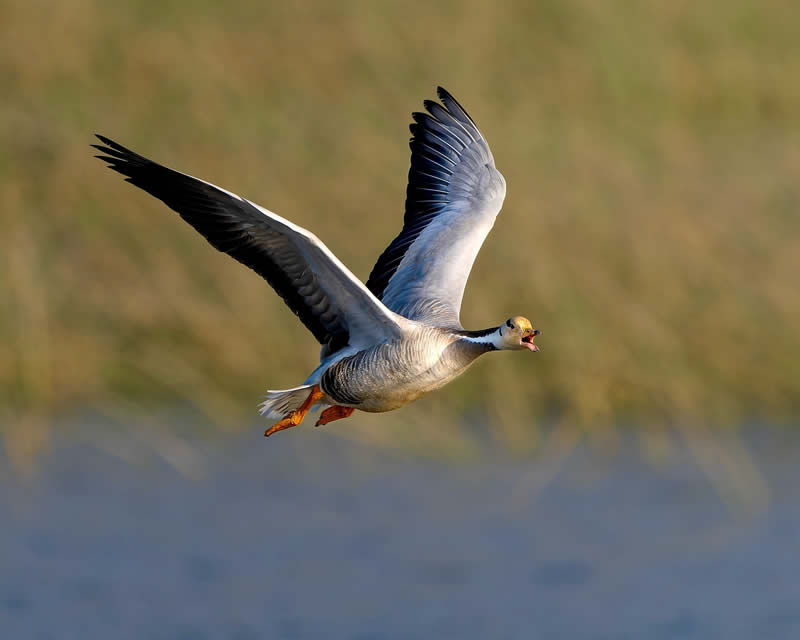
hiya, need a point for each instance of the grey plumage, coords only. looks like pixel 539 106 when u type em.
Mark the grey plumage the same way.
pixel 424 360
pixel 398 337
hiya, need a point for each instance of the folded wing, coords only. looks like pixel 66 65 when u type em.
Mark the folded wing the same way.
pixel 454 195
pixel 330 301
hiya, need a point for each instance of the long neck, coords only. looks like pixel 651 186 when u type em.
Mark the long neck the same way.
pixel 482 341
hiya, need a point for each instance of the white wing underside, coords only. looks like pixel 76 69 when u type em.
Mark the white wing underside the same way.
pixel 454 195
pixel 429 282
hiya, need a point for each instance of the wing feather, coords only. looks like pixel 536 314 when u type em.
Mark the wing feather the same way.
pixel 453 197
pixel 330 301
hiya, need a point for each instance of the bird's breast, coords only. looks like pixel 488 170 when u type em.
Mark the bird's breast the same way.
pixel 390 375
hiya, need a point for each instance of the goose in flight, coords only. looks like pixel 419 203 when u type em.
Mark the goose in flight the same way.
pixel 386 343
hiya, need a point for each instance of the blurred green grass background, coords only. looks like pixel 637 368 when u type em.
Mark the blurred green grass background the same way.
pixel 651 228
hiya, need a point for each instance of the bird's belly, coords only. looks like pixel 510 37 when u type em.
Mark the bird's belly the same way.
pixel 388 377
pixel 400 391
pixel 388 398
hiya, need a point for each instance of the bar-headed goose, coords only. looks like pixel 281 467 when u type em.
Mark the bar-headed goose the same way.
pixel 398 337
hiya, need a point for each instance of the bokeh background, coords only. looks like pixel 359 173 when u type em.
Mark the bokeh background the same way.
pixel 651 227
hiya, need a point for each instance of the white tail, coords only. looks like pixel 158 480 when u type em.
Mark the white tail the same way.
pixel 278 404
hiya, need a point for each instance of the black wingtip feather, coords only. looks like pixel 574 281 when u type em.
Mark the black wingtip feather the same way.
pixel 454 106
pixel 109 142
pixel 430 104
pixel 232 225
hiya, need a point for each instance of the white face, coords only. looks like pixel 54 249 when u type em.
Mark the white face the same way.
pixel 517 333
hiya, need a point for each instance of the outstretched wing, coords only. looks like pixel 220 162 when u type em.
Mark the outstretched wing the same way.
pixel 454 195
pixel 330 301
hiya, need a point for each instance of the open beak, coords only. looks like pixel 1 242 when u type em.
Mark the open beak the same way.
pixel 527 340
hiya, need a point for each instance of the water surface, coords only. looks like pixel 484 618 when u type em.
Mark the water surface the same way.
pixel 135 534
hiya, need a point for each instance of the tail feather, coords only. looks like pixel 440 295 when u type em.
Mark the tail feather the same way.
pixel 280 403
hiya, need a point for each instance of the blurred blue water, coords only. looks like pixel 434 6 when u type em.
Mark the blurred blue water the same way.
pixel 132 534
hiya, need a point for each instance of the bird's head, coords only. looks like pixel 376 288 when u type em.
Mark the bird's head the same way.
pixel 517 333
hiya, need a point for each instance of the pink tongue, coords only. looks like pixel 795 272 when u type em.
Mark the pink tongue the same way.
pixel 531 346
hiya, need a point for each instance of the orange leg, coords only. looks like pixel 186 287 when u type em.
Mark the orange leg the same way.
pixel 296 417
pixel 334 413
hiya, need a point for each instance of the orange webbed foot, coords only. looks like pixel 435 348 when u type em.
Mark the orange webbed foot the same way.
pixel 296 417
pixel 334 413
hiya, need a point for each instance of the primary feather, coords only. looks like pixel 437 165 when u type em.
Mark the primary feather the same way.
pixel 333 304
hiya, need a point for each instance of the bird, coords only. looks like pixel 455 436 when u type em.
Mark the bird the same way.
pixel 397 337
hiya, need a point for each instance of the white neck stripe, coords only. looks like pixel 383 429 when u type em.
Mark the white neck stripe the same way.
pixel 493 339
